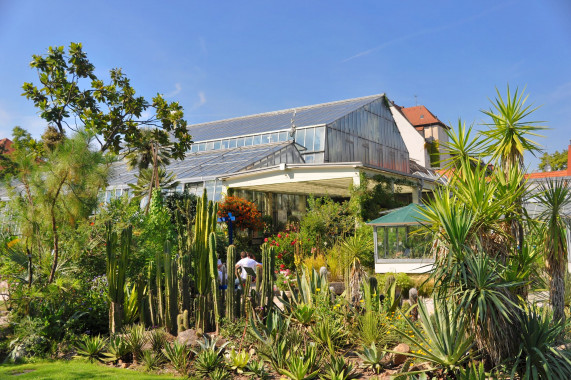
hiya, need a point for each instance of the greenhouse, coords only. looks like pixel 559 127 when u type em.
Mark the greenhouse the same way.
pixel 400 242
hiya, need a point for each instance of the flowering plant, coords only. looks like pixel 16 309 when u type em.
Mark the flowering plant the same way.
pixel 291 246
pixel 246 213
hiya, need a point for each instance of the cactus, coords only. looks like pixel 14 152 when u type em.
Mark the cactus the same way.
pixel 171 290
pixel 230 299
pixel 205 223
pixel 413 297
pixel 180 324
pixel 214 277
pixel 116 274
pixel 266 280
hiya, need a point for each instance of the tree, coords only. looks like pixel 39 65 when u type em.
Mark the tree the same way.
pixel 71 96
pixel 555 161
pixel 555 198
pixel 56 192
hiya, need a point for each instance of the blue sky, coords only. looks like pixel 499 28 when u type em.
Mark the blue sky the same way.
pixel 230 58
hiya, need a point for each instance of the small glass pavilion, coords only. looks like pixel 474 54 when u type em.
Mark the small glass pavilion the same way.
pixel 399 244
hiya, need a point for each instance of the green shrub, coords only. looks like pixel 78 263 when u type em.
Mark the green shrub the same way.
pixel 339 369
pixel 92 348
pixel 152 360
pixel 157 338
pixel 372 358
pixel 237 361
pixel 178 355
pixel 117 349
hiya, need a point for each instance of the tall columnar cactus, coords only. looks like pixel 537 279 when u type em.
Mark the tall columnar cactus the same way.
pixel 205 223
pixel 214 277
pixel 116 266
pixel 266 281
pixel 171 290
pixel 230 292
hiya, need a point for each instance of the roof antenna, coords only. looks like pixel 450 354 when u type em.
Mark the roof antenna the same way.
pixel 292 129
pixel 415 100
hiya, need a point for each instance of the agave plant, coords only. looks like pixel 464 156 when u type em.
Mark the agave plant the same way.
pixel 339 369
pixel 330 333
pixel 152 360
pixel 92 348
pixel 257 369
pixel 238 361
pixel 219 374
pixel 207 361
pixel 372 358
pixel 157 339
pixel 117 349
pixel 538 356
pixel 443 338
pixel 136 339
pixel 178 355
pixel 304 366
pixel 475 371
pixel 303 313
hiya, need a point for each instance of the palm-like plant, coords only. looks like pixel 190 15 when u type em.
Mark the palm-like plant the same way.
pixel 92 348
pixel 507 138
pixel 178 354
pixel 555 199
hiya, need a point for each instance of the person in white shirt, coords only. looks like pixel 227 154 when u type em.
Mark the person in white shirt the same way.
pixel 246 262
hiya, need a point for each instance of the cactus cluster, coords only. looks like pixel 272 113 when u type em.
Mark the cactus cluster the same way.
pixel 230 292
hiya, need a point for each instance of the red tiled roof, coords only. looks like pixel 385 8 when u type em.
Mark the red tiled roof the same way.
pixel 420 115
pixel 559 173
pixel 6 143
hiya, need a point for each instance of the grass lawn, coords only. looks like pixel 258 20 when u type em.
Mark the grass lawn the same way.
pixel 73 369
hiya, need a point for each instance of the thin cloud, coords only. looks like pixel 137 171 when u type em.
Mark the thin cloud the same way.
pixel 202 43
pixel 201 100
pixel 427 31
pixel 178 89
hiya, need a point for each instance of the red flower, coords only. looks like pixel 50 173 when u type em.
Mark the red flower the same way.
pixel 293 242
pixel 282 266
pixel 279 236
pixel 273 242
pixel 287 235
pixel 266 240
pixel 277 244
pixel 280 256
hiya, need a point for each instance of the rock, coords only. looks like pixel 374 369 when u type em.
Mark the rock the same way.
pixel 189 338
pixel 398 358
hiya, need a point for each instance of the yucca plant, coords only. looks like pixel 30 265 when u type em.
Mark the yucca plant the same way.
pixel 539 357
pixel 157 339
pixel 152 360
pixel 178 355
pixel 238 360
pixel 338 369
pixel 372 357
pixel 92 348
pixel 117 349
pixel 136 339
pixel 278 352
pixel 443 339
pixel 475 371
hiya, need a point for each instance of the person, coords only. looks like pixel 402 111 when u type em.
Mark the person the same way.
pixel 246 262
pixel 222 275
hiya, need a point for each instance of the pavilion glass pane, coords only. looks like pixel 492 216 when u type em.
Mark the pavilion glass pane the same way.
pixel 232 143
pixel 240 142
pixel 309 134
pixel 217 144
pixel 265 139
pixel 257 139
pixel 392 241
pixel 418 242
pixel 300 137
pixel 283 136
pixel 319 138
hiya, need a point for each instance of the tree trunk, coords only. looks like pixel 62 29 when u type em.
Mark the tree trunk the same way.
pixel 56 247
pixel 115 317
pixel 557 294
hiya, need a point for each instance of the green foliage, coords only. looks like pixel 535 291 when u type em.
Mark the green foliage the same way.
pixel 117 348
pixel 338 369
pixel 330 333
pixel 157 339
pixel 136 339
pixel 178 354
pixel 372 358
pixel 92 348
pixel 442 339
pixel 257 368
pixel 304 366
pixel 207 361
pixel 152 360
pixel 555 161
pixel 539 357
pixel 372 329
pixel 238 360
pixel 219 373
pixel 110 111
pixel 303 313
pixel 475 371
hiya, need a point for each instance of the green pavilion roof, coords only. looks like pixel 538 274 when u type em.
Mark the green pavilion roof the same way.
pixel 404 216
